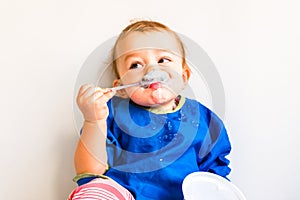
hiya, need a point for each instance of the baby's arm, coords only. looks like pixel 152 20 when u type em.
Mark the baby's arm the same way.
pixel 215 148
pixel 90 155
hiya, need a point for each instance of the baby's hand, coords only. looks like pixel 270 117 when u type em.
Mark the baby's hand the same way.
pixel 92 101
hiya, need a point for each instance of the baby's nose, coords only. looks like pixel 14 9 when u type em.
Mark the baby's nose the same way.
pixel 151 67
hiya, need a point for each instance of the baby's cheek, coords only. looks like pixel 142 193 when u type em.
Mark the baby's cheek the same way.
pixel 134 92
pixel 138 95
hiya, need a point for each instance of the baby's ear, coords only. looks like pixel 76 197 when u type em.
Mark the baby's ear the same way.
pixel 121 93
pixel 186 73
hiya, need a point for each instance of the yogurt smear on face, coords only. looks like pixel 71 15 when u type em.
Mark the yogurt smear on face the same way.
pixel 154 78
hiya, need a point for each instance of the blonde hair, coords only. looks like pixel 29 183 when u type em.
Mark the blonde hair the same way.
pixel 148 26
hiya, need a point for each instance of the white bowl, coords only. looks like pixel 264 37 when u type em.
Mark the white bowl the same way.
pixel 209 186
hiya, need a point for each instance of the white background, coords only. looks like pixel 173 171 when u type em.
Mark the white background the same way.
pixel 254 45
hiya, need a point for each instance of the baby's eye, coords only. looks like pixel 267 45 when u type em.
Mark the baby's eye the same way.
pixel 164 60
pixel 135 65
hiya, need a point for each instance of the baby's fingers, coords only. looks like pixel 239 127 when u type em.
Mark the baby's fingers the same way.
pixel 102 96
pixel 85 88
pixel 86 94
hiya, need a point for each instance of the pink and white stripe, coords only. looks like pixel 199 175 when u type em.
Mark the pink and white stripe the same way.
pixel 101 189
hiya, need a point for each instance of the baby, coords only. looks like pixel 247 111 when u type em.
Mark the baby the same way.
pixel 142 142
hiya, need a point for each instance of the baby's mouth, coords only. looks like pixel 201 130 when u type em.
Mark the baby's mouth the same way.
pixel 152 85
pixel 155 85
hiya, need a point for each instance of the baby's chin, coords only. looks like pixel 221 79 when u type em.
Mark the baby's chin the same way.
pixel 159 97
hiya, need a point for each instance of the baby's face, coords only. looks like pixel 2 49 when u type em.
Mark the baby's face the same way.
pixel 155 56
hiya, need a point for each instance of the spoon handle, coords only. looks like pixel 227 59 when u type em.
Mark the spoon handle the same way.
pixel 125 86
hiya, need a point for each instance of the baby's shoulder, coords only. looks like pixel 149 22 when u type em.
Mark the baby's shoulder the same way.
pixel 195 106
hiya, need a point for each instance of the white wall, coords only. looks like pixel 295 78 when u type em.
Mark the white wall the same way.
pixel 254 44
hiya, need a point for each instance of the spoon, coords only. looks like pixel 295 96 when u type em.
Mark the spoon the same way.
pixel 146 81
